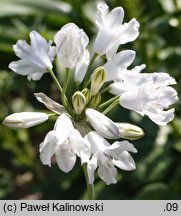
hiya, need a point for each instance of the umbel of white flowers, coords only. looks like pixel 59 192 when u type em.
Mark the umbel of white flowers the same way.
pixel 82 129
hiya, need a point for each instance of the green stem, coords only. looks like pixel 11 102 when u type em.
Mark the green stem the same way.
pixel 105 90
pixel 52 114
pixel 67 76
pixel 108 102
pixel 109 108
pixel 63 96
pixel 87 83
pixel 90 187
pixel 55 80
pixel 87 75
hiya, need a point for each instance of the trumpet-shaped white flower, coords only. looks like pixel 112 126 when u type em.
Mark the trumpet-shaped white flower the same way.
pixel 112 32
pixel 106 157
pixel 146 100
pixel 25 119
pixel 65 143
pixel 70 45
pixel 35 58
pixel 147 94
pixel 102 124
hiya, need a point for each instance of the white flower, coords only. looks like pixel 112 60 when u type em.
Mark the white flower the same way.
pixel 151 101
pixel 35 58
pixel 70 45
pixel 118 63
pixel 81 67
pixel 65 143
pixel 25 119
pixel 146 93
pixel 106 157
pixel 102 124
pixel 112 32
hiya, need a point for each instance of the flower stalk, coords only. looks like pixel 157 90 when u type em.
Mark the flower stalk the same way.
pixel 109 108
pixel 86 78
pixel 90 187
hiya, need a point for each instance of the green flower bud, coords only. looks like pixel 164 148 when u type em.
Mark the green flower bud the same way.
pixel 79 102
pixel 129 131
pixel 97 80
pixel 95 100
pixel 86 92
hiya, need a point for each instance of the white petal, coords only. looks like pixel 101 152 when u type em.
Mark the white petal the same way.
pixel 65 160
pixel 22 50
pixel 49 103
pixel 138 69
pixel 138 98
pixel 118 147
pixel 63 127
pixel 51 51
pixel 107 172
pixel 167 96
pixel 91 167
pixel 81 67
pixel 40 50
pixel 117 88
pixel 162 79
pixel 22 67
pixel 35 76
pixel 47 148
pixel 80 146
pixel 119 62
pixel 101 14
pixel 160 117
pixel 102 124
pixel 115 18
pixel 125 161
pixel 98 143
pixel 129 32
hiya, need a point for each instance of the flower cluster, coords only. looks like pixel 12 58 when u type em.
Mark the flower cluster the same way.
pixel 82 128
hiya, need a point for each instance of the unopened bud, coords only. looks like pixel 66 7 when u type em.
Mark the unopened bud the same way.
pixel 129 131
pixel 25 119
pixel 97 80
pixel 102 124
pixel 86 92
pixel 95 100
pixel 79 102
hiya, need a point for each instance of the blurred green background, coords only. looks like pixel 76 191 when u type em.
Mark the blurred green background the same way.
pixel 22 176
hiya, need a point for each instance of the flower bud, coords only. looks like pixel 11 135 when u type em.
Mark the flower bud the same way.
pixel 79 102
pixel 95 100
pixel 97 80
pixel 86 92
pixel 129 131
pixel 102 124
pixel 25 119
